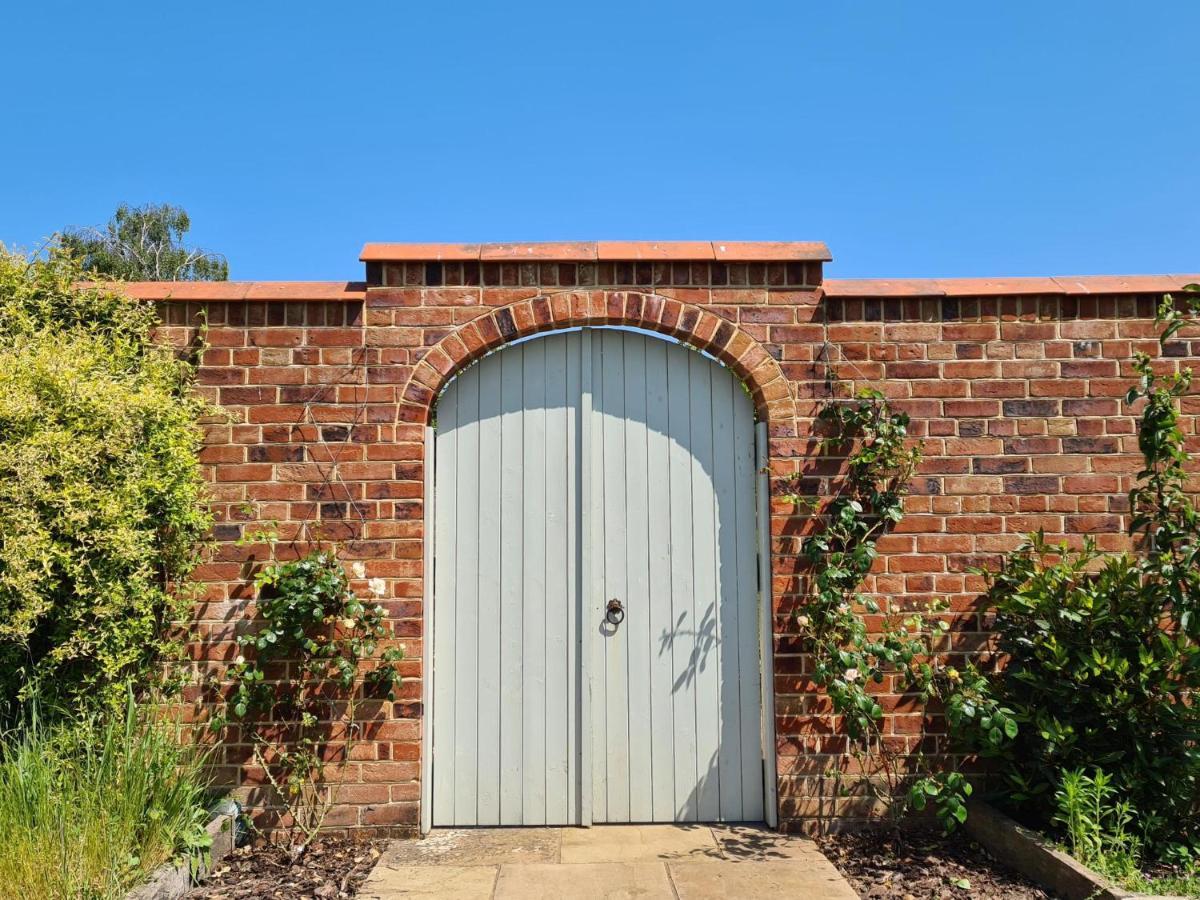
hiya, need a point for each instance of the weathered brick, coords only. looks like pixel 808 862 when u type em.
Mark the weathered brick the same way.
pixel 1090 445
pixel 1023 409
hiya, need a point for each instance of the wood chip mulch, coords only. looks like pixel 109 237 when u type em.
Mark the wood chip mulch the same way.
pixel 924 864
pixel 331 869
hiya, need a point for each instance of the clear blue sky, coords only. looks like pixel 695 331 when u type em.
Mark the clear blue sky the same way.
pixel 916 138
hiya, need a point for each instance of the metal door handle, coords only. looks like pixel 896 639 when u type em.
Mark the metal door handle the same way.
pixel 614 612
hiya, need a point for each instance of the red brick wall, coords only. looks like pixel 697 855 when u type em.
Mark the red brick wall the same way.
pixel 1017 398
pixel 1019 403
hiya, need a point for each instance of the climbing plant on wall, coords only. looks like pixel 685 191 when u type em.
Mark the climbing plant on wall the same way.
pixel 315 650
pixel 863 649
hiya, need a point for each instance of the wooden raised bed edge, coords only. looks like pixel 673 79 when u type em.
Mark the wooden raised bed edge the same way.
pixel 1036 859
pixel 171 881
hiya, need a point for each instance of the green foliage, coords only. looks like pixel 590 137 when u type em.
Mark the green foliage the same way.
pixel 847 656
pixel 949 792
pixel 100 487
pixel 1096 823
pixel 1103 652
pixel 88 808
pixel 309 618
pixel 1100 828
pixel 144 243
pixel 850 659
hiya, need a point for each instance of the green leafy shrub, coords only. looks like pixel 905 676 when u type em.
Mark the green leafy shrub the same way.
pixel 89 807
pixel 1103 652
pixel 100 486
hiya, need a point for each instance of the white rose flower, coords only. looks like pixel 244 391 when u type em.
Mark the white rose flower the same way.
pixel 378 586
pixel 803 620
pixel 851 675
pixel 359 569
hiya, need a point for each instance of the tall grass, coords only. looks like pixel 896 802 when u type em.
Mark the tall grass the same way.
pixel 89 808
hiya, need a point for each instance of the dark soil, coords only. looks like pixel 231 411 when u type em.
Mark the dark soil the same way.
pixel 331 869
pixel 924 865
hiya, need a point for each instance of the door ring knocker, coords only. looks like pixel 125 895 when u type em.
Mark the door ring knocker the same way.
pixel 615 612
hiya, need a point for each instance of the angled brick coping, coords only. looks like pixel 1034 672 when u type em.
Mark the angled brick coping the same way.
pixel 225 291
pixel 867 288
pixel 602 251
pixel 1005 287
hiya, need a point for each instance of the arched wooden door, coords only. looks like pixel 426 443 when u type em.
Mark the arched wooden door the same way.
pixel 595 629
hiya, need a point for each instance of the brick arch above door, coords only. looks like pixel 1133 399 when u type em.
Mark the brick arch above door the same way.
pixel 762 374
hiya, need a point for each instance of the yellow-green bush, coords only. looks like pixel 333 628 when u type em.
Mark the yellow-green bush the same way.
pixel 100 486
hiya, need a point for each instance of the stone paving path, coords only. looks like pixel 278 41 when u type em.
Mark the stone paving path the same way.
pixel 674 862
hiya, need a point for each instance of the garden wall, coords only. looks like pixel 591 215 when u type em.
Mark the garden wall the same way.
pixel 1015 385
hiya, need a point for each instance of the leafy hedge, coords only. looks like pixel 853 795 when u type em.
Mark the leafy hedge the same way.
pixel 1103 652
pixel 100 486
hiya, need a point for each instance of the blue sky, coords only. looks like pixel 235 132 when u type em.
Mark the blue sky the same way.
pixel 915 138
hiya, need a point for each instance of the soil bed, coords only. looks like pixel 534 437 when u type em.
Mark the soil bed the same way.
pixel 331 869
pixel 924 864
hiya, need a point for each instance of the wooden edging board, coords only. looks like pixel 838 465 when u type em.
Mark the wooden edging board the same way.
pixel 1036 859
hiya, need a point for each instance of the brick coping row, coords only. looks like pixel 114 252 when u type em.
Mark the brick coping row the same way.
pixel 356 291
pixel 602 251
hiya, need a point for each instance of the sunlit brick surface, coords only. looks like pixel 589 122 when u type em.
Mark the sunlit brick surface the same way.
pixel 1018 398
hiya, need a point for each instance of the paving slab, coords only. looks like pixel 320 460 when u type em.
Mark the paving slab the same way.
pixel 646 862
pixel 475 847
pixel 585 881
pixel 756 842
pixel 435 881
pixel 713 880
pixel 637 843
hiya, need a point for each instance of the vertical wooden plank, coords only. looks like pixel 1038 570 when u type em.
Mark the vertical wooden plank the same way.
pixel 682 636
pixel 746 603
pixel 614 639
pixel 705 667
pixel 488 624
pixel 594 584
pixel 637 588
pixel 511 620
pixel 598 552
pixel 766 621
pixel 466 609
pixel 729 769
pixel 536 475
pixel 558 676
pixel 589 580
pixel 661 669
pixel 440 660
pixel 576 681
